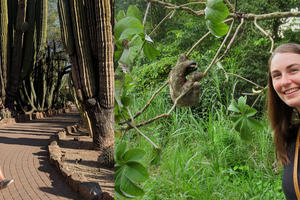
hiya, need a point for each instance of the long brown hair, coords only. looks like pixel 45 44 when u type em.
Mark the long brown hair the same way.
pixel 278 112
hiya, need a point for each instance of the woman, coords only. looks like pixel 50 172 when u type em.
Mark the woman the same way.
pixel 3 181
pixel 283 111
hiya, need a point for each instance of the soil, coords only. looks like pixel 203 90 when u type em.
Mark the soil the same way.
pixel 78 156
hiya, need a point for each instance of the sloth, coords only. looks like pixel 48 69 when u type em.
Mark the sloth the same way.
pixel 179 83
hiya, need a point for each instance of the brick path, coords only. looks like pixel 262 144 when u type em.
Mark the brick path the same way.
pixel 24 157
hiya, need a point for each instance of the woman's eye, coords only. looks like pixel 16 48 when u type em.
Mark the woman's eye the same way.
pixel 275 75
pixel 294 70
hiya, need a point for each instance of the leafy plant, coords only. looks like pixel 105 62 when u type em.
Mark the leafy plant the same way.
pixel 129 172
pixel 131 39
pixel 243 119
pixel 215 12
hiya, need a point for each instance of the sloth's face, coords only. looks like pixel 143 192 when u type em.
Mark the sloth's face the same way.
pixel 190 67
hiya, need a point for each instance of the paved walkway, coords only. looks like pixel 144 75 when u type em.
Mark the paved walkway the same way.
pixel 24 157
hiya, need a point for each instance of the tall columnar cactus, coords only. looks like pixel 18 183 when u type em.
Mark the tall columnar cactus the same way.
pixel 87 35
pixel 4 43
pixel 23 31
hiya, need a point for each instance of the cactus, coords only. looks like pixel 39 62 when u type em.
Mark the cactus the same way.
pixel 87 25
pixel 3 47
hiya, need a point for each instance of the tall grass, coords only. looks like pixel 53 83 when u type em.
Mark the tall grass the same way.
pixel 205 158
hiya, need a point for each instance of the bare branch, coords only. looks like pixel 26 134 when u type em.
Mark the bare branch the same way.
pixel 238 76
pixel 221 46
pixel 231 41
pixel 196 44
pixel 146 106
pixel 159 116
pixel 146 13
pixel 169 14
pixel 172 6
pixel 274 15
pixel 230 6
pixel 256 100
pixel 192 3
pixel 132 125
pixel 249 16
pixel 268 35
pixel 203 37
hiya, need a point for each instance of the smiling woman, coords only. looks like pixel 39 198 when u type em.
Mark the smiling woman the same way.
pixel 283 110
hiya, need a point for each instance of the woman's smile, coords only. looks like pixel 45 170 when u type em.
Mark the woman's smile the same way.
pixel 285 73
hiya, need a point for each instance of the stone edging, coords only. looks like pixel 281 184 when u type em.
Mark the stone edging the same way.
pixel 78 182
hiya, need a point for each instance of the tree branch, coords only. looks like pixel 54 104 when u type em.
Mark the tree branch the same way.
pixel 268 35
pixel 248 16
pixel 231 41
pixel 146 106
pixel 146 13
pixel 238 76
pixel 274 15
pixel 169 14
pixel 132 125
pixel 196 44
pixel 221 46
pixel 159 116
pixel 172 6
pixel 231 7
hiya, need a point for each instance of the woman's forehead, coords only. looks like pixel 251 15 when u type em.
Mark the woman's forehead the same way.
pixel 284 60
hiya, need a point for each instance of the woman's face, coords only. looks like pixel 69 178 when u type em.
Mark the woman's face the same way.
pixel 285 73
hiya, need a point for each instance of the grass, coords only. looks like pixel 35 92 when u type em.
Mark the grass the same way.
pixel 204 158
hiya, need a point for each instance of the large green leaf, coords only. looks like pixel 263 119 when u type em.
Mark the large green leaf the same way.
pixel 136 171
pixel 241 125
pixel 130 189
pixel 121 14
pixel 234 107
pixel 125 57
pixel 150 52
pixel 250 112
pixel 134 155
pixel 255 124
pixel 216 11
pixel 134 12
pixel 242 101
pixel 135 47
pixel 129 32
pixel 218 29
pixel 119 152
pixel 126 23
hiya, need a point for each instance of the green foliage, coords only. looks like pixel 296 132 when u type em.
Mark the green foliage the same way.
pixel 122 97
pixel 243 121
pixel 129 172
pixel 204 158
pixel 200 155
pixel 131 39
pixel 215 12
pixel 153 74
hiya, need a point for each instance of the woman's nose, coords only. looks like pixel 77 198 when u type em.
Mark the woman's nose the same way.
pixel 285 80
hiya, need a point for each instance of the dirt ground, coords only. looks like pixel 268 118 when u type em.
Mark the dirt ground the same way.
pixel 78 156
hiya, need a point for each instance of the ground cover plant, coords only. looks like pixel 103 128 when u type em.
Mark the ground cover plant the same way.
pixel 222 147
pixel 205 159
